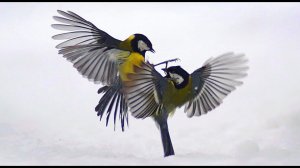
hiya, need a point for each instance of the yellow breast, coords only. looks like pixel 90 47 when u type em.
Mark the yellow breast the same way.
pixel 127 67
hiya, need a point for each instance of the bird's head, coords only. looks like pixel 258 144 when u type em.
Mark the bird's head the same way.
pixel 140 43
pixel 178 75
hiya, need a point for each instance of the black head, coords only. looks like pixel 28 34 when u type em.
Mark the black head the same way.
pixel 178 75
pixel 141 44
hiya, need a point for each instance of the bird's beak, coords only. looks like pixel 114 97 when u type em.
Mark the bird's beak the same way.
pixel 164 69
pixel 152 50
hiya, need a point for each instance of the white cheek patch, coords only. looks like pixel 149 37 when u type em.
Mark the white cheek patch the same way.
pixel 142 46
pixel 177 78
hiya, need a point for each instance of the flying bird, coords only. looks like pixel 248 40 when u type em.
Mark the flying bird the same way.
pixel 132 84
pixel 100 57
pixel 149 94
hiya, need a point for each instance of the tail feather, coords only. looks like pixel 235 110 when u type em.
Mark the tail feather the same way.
pixel 103 89
pixel 166 140
pixel 161 121
pixel 112 100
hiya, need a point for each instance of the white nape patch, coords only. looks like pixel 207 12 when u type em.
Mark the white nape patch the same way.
pixel 177 78
pixel 142 46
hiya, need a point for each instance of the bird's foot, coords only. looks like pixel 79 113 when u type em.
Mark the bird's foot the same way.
pixel 166 62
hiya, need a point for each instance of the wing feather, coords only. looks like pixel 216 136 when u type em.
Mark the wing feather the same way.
pixel 217 78
pixel 141 91
pixel 94 53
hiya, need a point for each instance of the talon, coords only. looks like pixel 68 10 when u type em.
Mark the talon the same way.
pixel 166 62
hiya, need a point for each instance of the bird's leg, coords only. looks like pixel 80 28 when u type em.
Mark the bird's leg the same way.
pixel 166 62
pixel 166 65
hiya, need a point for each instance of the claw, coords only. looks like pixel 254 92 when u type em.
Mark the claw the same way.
pixel 166 62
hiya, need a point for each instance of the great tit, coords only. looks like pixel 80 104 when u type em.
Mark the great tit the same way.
pixel 100 57
pixel 149 94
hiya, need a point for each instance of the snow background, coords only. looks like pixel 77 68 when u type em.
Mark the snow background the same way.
pixel 47 107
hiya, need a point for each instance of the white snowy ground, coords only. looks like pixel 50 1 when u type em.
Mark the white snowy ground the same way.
pixel 47 108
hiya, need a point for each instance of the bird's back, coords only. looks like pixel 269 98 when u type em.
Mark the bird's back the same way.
pixel 174 98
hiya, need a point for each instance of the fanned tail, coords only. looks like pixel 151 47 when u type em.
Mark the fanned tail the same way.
pixel 113 100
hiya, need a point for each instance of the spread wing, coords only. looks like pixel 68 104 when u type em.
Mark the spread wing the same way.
pixel 93 52
pixel 214 81
pixel 143 91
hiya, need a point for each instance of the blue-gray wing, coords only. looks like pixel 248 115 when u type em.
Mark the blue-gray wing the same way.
pixel 144 91
pixel 218 77
pixel 94 53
